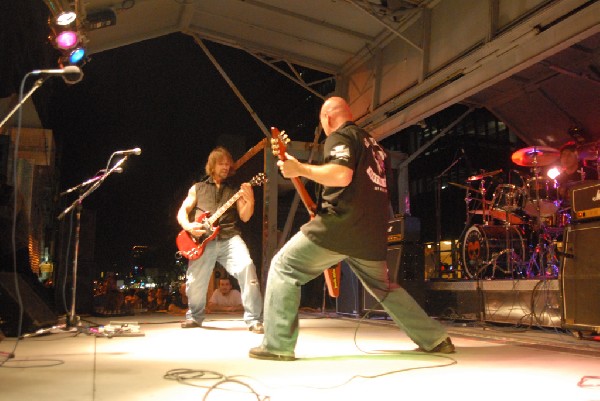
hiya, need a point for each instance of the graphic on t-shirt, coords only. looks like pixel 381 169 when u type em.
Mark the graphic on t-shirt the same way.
pixel 340 152
pixel 378 177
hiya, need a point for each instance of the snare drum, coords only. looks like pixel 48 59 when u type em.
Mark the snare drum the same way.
pixel 542 193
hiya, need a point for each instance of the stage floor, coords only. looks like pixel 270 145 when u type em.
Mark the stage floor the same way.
pixel 340 358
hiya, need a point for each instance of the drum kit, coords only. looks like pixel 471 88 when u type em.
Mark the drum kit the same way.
pixel 521 225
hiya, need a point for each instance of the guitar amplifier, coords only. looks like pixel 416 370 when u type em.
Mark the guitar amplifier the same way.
pixel 585 201
pixel 404 229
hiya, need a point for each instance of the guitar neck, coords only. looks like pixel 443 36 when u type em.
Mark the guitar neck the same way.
pixel 219 212
pixel 304 196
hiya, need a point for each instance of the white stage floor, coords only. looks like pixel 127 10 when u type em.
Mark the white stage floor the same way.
pixel 339 359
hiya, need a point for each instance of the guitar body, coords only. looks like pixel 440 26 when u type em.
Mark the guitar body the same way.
pixel 192 247
pixel 332 274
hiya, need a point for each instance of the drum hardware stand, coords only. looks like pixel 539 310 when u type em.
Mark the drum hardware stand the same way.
pixel 541 247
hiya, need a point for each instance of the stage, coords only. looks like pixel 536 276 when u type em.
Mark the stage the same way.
pixel 340 358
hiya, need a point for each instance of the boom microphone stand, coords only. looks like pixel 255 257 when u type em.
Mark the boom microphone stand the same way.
pixel 94 183
pixel 438 213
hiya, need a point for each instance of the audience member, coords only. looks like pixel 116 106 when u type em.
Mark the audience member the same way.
pixel 225 298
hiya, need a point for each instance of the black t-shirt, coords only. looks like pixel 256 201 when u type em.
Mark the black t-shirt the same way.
pixel 209 198
pixel 353 220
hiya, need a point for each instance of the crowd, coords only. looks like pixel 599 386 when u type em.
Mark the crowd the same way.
pixel 109 299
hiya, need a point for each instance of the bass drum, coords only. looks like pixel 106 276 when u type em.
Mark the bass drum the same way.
pixel 493 251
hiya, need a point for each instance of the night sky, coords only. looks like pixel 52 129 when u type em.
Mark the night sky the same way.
pixel 165 97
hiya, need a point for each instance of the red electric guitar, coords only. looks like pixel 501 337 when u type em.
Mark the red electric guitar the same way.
pixel 279 140
pixel 191 246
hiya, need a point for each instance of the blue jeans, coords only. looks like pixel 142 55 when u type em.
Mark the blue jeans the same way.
pixel 233 255
pixel 301 260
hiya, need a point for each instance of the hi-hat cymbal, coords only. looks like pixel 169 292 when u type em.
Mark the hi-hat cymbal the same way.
pixel 535 156
pixel 464 187
pixel 589 151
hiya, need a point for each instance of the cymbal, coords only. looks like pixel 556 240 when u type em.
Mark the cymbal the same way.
pixel 464 187
pixel 483 175
pixel 535 156
pixel 589 151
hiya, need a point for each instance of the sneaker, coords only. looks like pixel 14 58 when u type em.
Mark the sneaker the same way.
pixel 188 324
pixel 261 353
pixel 445 347
pixel 257 328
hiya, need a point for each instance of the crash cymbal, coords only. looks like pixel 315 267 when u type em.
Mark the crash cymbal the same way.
pixel 535 156
pixel 589 151
pixel 483 175
pixel 464 187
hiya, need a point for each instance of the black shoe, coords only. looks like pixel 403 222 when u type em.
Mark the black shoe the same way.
pixel 261 353
pixel 445 347
pixel 188 324
pixel 257 328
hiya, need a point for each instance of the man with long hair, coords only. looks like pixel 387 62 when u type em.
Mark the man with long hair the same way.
pixel 228 248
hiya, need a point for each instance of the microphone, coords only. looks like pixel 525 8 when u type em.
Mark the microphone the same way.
pixel 134 151
pixel 71 73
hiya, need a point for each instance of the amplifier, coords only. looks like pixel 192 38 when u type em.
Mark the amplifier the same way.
pixel 585 200
pixel 404 228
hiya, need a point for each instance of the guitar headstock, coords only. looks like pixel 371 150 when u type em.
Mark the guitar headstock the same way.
pixel 258 179
pixel 279 141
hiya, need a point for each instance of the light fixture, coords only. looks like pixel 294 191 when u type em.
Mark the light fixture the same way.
pixel 66 40
pixel 65 18
pixel 67 33
pixel 77 55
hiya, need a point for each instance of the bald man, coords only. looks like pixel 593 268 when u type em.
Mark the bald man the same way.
pixel 351 225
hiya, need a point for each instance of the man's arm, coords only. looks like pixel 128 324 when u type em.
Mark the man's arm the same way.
pixel 331 175
pixel 187 205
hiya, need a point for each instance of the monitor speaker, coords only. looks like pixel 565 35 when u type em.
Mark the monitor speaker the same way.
pixel 580 277
pixel 36 313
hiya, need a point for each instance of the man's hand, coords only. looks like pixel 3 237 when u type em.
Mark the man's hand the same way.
pixel 195 228
pixel 247 192
pixel 291 167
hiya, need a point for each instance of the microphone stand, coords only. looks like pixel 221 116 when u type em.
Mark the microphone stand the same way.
pixel 35 86
pixel 95 182
pixel 438 207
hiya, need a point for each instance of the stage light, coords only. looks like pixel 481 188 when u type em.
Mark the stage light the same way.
pixel 66 40
pixel 77 55
pixel 65 18
pixel 553 173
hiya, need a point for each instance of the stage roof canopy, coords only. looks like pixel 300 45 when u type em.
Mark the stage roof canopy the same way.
pixel 535 63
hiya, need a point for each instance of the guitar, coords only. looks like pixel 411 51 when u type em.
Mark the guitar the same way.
pixel 192 246
pixel 279 141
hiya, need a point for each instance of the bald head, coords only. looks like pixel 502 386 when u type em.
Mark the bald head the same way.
pixel 334 112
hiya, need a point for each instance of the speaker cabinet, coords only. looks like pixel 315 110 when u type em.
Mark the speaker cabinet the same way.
pixel 406 267
pixel 36 313
pixel 580 277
